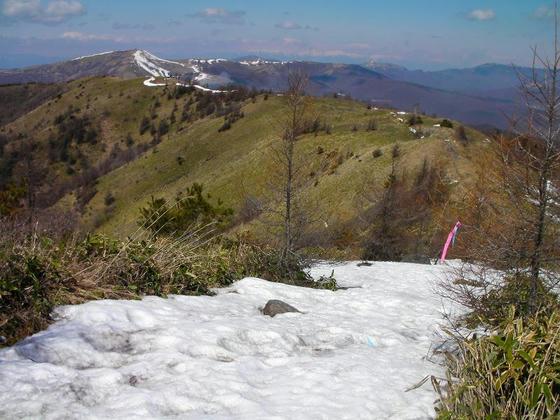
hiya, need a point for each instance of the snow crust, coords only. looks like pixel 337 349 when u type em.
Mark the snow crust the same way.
pixel 350 354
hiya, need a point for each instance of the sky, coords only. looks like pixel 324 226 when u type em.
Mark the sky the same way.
pixel 419 34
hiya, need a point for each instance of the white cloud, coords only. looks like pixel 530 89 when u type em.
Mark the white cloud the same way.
pixel 482 14
pixel 544 12
pixel 79 36
pixel 288 25
pixel 35 11
pixel 15 8
pixel 293 26
pixel 219 15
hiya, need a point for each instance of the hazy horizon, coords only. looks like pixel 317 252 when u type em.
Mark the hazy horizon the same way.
pixel 445 35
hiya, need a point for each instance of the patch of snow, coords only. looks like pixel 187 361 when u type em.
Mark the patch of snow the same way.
pixel 209 60
pixel 401 113
pixel 92 55
pixel 350 353
pixel 205 89
pixel 148 62
pixel 260 62
pixel 400 119
pixel 149 82
pixel 412 130
pixel 437 125
pixel 202 77
pixel 153 69
pixel 196 69
pixel 153 57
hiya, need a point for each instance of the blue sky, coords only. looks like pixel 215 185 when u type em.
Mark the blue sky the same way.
pixel 425 34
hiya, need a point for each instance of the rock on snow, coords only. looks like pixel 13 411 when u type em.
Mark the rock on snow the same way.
pixel 350 354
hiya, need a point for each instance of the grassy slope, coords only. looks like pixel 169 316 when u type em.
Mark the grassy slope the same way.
pixel 237 162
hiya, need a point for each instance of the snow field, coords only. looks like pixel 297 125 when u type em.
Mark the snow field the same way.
pixel 351 354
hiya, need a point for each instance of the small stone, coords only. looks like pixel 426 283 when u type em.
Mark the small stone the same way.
pixel 274 307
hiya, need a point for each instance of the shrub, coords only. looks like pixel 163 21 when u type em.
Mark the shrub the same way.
pixel 461 134
pixel 27 280
pixel 225 126
pixel 38 273
pixel 512 374
pixel 402 219
pixel 414 120
pixel 109 199
pixel 372 125
pixel 446 123
pixel 250 209
pixel 377 153
pixel 191 211
pixel 11 199
pixel 163 128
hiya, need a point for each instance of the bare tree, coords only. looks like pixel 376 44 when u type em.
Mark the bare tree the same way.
pixel 513 217
pixel 539 144
pixel 32 172
pixel 293 125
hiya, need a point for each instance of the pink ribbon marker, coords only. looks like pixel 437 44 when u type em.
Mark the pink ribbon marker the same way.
pixel 449 239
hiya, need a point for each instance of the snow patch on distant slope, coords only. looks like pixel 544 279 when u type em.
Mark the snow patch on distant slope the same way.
pixel 92 55
pixel 150 82
pixel 205 89
pixel 149 63
pixel 209 60
pixel 261 61
pixel 153 57
pixel 200 75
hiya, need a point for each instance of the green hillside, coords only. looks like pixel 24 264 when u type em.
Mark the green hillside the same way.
pixel 231 164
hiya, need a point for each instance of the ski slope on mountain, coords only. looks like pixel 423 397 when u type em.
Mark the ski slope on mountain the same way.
pixel 349 354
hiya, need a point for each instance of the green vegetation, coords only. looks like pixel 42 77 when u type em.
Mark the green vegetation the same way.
pixel 446 123
pixel 142 155
pixel 233 164
pixel 38 272
pixel 514 374
pixel 191 209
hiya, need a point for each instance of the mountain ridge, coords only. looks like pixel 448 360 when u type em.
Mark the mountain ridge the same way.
pixel 389 85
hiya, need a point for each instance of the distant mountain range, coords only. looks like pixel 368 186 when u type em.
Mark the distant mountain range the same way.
pixel 479 96
pixel 487 80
